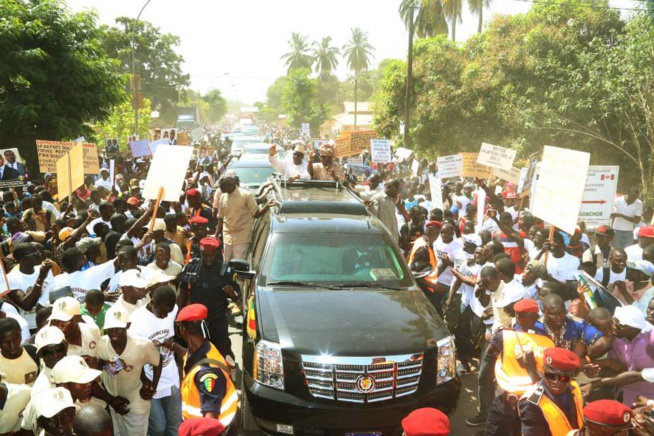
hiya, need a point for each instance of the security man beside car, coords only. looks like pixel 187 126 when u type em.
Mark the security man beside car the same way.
pixel 209 281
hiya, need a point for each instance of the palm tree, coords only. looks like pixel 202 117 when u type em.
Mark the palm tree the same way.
pixel 299 56
pixel 453 10
pixel 430 20
pixel 358 52
pixel 477 8
pixel 324 56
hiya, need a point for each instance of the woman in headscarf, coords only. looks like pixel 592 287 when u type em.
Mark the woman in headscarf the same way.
pixel 327 169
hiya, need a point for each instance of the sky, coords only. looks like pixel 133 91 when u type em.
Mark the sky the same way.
pixel 235 46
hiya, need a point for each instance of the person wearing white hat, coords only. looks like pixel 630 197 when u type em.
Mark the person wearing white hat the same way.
pixel 123 357
pixel 81 334
pixel 50 413
pixel 290 170
pixel 133 284
pixel 51 347
pixel 13 400
pixel 74 374
pixel 639 274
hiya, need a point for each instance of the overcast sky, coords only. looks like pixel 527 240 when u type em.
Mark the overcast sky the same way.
pixel 235 45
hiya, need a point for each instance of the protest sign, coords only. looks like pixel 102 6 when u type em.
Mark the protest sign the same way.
pixel 533 162
pixel 472 169
pixel 380 150
pixel 111 147
pixel 450 166
pixel 481 209
pixel 49 152
pixel 197 134
pixel 163 174
pixel 13 174
pixel 355 160
pixel 436 192
pixel 140 148
pixel 70 171
pixel 170 134
pixel 415 167
pixel 599 194
pixel 352 143
pixel 512 176
pixel 154 144
pixel 403 153
pixel 561 187
pixel 316 143
pixel 495 156
pixel 306 128
pixel 523 178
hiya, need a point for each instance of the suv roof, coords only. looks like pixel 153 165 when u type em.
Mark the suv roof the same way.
pixel 313 197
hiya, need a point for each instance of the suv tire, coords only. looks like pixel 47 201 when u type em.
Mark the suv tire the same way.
pixel 248 422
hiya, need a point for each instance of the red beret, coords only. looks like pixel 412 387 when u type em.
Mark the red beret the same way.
pixel 193 312
pixel 209 244
pixel 193 193
pixel 133 201
pixel 608 412
pixel 199 220
pixel 426 422
pixel 646 232
pixel 430 224
pixel 526 305
pixel 561 359
pixel 201 427
pixel 604 231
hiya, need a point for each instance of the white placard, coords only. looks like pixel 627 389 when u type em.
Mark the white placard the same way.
pixel 450 166
pixel 112 170
pixel 599 194
pixel 306 128
pixel 481 209
pixel 415 166
pixel 154 144
pixel 167 170
pixel 380 150
pixel 523 177
pixel 512 176
pixel 197 134
pixel 436 192
pixel 535 175
pixel 496 157
pixel 403 153
pixel 561 187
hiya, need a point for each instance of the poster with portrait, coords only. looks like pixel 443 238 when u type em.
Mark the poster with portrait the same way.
pixel 170 134
pixel 111 147
pixel 12 168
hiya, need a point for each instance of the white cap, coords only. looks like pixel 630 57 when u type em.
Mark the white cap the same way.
pixel 158 276
pixel 47 404
pixel 116 318
pixel 472 239
pixel 73 369
pixel 133 277
pixel 633 317
pixel 510 294
pixel 65 308
pixel 48 335
pixel 159 224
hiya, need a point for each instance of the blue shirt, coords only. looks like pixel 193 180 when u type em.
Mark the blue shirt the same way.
pixel 571 333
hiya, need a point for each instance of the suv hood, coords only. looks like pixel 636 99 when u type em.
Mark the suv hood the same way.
pixel 349 322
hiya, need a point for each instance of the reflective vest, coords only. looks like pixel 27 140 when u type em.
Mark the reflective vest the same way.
pixel 510 374
pixel 555 417
pixel 419 243
pixel 191 403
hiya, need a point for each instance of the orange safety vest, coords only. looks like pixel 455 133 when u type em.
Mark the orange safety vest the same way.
pixel 191 403
pixel 510 374
pixel 555 417
pixel 419 243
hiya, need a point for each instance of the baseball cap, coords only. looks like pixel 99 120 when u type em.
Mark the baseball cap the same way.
pixel 159 225
pixel 65 308
pixel 85 244
pixel 48 403
pixel 116 318
pixel 158 276
pixel 73 369
pixel 472 239
pixel 48 335
pixel 65 233
pixel 133 277
pixel 604 231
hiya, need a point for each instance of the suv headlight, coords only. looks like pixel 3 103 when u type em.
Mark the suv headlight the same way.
pixel 446 363
pixel 268 366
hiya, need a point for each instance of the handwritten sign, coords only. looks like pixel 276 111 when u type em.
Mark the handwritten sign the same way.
pixel 49 152
pixel 561 187
pixel 473 169
pixel 495 156
pixel 352 143
pixel 512 176
pixel 450 166
pixel 380 150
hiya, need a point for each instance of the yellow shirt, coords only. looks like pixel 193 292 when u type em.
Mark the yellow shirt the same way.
pixel 237 211
pixel 21 371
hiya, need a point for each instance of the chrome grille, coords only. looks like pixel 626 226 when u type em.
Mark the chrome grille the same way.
pixel 349 378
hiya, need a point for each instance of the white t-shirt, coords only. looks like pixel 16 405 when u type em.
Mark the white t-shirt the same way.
pixel 461 264
pixel 128 307
pixel 146 325
pixel 92 224
pixel 465 201
pixel 631 210
pixel 453 250
pixel 18 280
pixel 174 269
pixel 563 268
pixel 104 183
pixel 90 337
pixel 614 277
pixel 634 252
pixel 11 415
pixel 83 281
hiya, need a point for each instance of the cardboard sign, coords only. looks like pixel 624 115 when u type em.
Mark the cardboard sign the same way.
pixel 599 194
pixel 355 160
pixel 436 192
pixel 495 156
pixel 49 152
pixel 140 148
pixel 512 176
pixel 561 187
pixel 167 171
pixel 450 166
pixel 353 143
pixel 197 134
pixel 70 171
pixel 306 128
pixel 473 169
pixel 380 150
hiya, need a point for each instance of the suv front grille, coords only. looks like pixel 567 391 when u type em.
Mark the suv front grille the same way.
pixel 359 380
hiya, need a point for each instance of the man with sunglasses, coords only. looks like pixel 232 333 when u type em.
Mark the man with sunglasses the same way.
pixel 605 418
pixel 290 170
pixel 553 407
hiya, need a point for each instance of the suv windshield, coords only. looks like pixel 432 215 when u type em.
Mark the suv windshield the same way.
pixel 253 176
pixel 348 259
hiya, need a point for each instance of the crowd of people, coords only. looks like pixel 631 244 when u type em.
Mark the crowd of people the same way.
pixel 116 314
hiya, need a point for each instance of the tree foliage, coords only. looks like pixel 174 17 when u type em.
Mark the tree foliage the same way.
pixel 55 76
pixel 217 105
pixel 325 56
pixel 428 17
pixel 300 54
pixel 120 124
pixel 300 102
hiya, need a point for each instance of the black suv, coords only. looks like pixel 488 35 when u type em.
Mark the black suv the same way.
pixel 345 341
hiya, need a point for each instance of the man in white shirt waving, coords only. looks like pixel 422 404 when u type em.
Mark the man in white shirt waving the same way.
pixel 627 211
pixel 290 170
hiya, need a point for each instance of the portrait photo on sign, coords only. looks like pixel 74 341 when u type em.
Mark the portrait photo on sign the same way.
pixel 170 134
pixel 12 165
pixel 111 147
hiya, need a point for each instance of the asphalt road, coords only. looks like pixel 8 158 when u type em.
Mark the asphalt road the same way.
pixel 466 408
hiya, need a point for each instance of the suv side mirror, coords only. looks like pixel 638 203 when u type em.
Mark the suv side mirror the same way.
pixel 242 268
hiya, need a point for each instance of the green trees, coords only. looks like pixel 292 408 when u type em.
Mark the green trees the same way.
pixel 453 10
pixel 358 53
pixel 429 17
pixel 217 105
pixel 55 75
pixel 299 100
pixel 477 8
pixel 300 54
pixel 325 56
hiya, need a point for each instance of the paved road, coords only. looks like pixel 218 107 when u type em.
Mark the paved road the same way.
pixel 467 401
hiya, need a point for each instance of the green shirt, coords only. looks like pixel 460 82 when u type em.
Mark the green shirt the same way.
pixel 99 318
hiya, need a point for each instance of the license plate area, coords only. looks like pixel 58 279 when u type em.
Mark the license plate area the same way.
pixel 370 433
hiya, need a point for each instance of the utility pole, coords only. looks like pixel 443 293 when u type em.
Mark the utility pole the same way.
pixel 409 81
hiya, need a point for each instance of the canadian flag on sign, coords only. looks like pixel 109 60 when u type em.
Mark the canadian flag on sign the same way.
pixel 608 176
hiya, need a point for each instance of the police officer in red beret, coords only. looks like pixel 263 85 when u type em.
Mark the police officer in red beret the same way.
pixel 554 406
pixel 198 208
pixel 209 281
pixel 605 418
pixel 199 229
